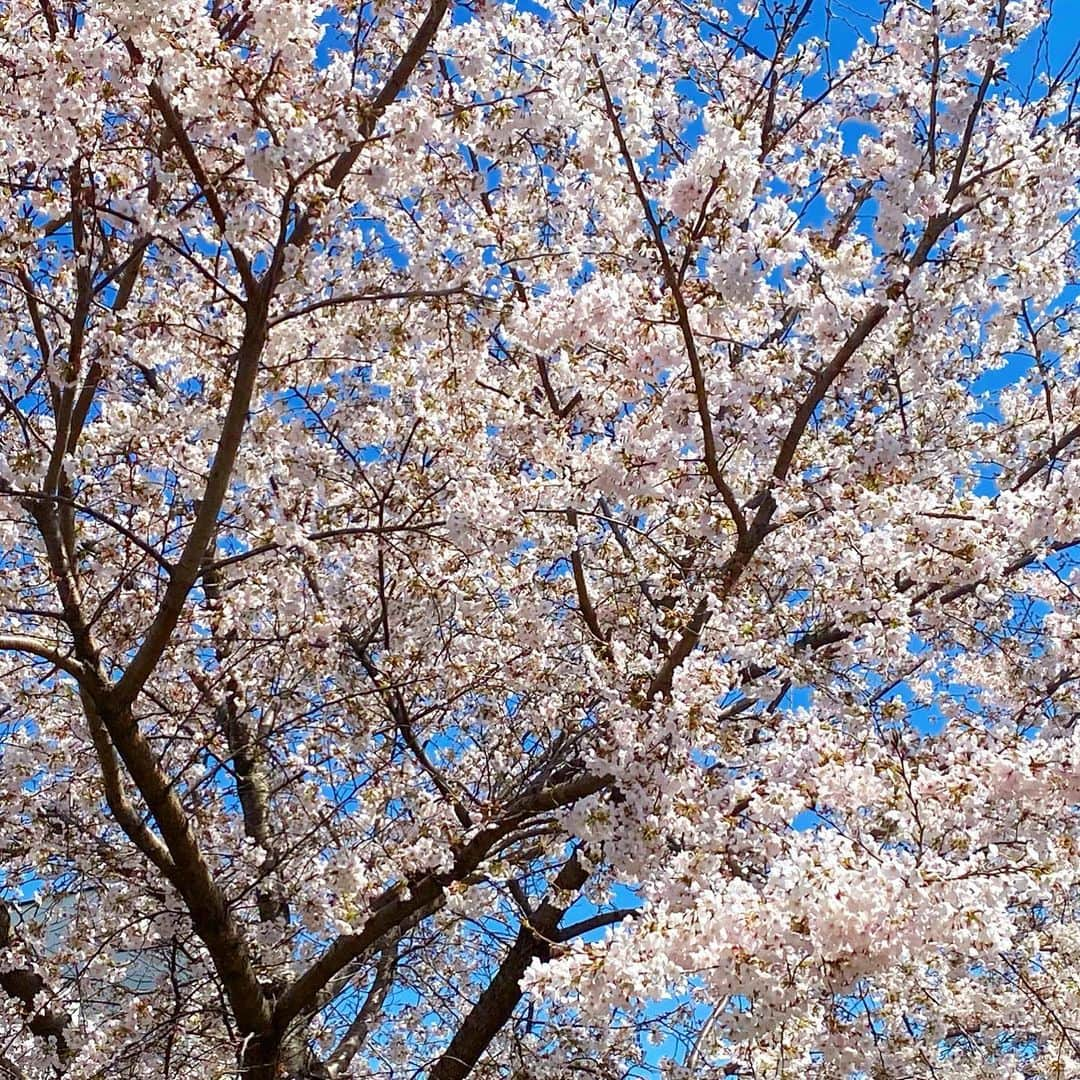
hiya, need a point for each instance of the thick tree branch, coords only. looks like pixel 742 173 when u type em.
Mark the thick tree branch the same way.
pixel 500 997
pixel 395 83
pixel 28 988
pixel 188 567
pixel 356 1035
pixel 116 798
pixel 193 880
pixel 397 904
pixel 43 651
pixel 393 86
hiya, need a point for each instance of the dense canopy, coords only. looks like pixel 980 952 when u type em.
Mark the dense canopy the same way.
pixel 538 540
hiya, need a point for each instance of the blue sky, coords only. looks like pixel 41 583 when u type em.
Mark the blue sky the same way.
pixel 853 16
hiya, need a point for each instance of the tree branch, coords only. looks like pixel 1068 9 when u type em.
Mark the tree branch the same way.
pixel 496 1004
pixel 372 297
pixel 26 986
pixel 356 1035
pixel 671 279
pixel 43 651
pixel 187 570
pixel 398 903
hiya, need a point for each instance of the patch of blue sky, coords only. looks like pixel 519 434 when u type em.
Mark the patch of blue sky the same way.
pixel 336 39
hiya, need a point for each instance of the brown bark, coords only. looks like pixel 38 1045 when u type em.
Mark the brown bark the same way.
pixel 496 1004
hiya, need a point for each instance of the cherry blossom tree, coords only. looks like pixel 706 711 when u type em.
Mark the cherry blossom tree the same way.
pixel 539 540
